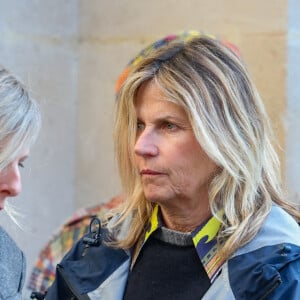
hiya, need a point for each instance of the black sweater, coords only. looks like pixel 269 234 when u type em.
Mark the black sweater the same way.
pixel 168 267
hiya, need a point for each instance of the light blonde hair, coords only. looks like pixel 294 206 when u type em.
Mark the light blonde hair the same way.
pixel 209 80
pixel 20 119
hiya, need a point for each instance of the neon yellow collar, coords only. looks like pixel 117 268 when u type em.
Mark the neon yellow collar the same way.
pixel 204 239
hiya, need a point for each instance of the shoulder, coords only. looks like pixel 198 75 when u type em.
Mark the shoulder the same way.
pixel 103 249
pixel 12 266
pixel 7 244
pixel 112 266
pixel 278 228
pixel 270 263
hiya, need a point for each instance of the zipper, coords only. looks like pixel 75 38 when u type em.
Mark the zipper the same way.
pixel 75 295
pixel 271 289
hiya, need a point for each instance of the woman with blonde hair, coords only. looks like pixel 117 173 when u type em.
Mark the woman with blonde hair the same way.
pixel 204 215
pixel 19 126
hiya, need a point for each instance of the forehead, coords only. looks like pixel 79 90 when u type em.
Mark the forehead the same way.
pixel 151 99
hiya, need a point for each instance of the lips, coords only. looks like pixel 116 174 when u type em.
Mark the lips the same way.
pixel 150 172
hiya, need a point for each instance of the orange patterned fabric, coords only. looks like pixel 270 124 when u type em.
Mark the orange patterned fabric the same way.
pixel 43 273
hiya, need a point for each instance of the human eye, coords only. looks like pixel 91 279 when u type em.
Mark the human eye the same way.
pixel 169 126
pixel 21 164
pixel 140 126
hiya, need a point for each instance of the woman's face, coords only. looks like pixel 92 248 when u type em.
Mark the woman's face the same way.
pixel 173 167
pixel 10 178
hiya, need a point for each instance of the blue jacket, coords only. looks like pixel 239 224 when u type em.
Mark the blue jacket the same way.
pixel 268 267
pixel 12 268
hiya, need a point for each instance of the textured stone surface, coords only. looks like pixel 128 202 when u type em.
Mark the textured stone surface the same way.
pixel 112 32
pixel 38 44
pixel 70 54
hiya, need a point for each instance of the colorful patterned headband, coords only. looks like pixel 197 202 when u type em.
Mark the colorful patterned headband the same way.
pixel 184 37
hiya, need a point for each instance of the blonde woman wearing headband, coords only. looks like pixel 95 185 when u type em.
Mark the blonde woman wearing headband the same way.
pixel 19 126
pixel 204 216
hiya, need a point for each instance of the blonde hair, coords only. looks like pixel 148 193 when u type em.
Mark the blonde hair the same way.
pixel 20 121
pixel 19 118
pixel 209 80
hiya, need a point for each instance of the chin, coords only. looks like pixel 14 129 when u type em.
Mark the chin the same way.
pixel 157 194
pixel 156 198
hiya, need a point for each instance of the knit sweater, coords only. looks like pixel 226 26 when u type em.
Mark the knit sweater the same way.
pixel 168 267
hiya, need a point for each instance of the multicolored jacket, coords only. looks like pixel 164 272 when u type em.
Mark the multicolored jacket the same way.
pixel 268 267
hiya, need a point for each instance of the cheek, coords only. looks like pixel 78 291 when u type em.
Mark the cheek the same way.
pixel 136 159
pixel 195 162
pixel 183 165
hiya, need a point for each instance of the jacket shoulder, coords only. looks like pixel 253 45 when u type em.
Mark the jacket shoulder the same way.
pixel 269 264
pixel 96 262
pixel 12 267
pixel 278 228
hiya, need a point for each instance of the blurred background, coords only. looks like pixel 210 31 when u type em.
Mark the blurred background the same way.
pixel 70 53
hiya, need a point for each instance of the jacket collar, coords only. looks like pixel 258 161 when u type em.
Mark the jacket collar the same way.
pixel 204 239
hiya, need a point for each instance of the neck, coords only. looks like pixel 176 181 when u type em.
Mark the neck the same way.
pixel 185 220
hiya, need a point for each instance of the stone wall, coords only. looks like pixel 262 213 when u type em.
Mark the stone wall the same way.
pixel 70 54
pixel 38 42
pixel 112 32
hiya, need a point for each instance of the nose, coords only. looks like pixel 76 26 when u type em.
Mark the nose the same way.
pixel 10 181
pixel 146 144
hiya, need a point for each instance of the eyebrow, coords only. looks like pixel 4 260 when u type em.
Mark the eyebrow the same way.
pixel 167 117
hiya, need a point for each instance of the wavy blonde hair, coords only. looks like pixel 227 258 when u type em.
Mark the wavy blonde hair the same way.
pixel 20 121
pixel 228 118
